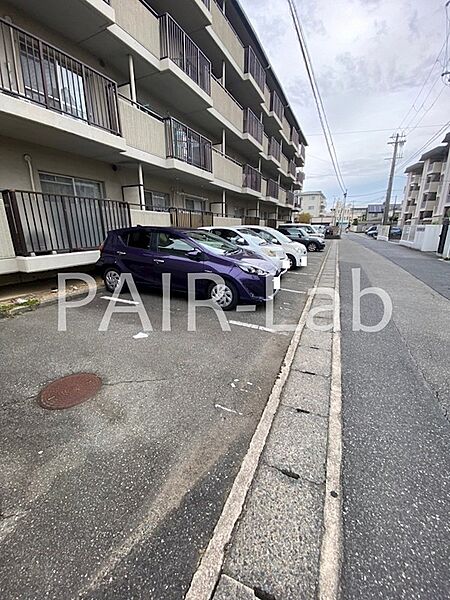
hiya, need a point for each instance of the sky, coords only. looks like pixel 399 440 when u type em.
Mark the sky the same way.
pixel 371 59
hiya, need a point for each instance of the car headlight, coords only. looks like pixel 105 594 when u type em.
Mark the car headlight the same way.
pixel 269 252
pixel 253 270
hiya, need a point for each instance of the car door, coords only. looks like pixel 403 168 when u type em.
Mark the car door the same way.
pixel 172 256
pixel 136 255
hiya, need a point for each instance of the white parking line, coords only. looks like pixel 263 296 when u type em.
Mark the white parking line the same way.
pixel 230 410
pixel 253 326
pixel 292 291
pixel 119 300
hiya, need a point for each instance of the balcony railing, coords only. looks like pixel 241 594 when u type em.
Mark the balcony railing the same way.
pixel 293 169
pixel 180 48
pixel 295 137
pixel 34 70
pixel 49 223
pixel 290 198
pixel 254 67
pixel 187 145
pixel 275 149
pixel 251 178
pixel 276 105
pixel 273 189
pixel 253 125
pixel 207 3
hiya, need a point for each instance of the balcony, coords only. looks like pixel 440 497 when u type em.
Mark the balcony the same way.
pixel 227 170
pixel 177 46
pixel 41 74
pixel 290 198
pixel 142 129
pixel 435 167
pixel 254 68
pixel 253 126
pixel 225 105
pixel 52 223
pixel 295 138
pixel 273 189
pixel 431 187
pixel 293 170
pixel 188 146
pixel 276 106
pixel 251 178
pixel 227 36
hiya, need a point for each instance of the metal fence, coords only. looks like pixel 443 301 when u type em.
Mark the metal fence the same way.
pixel 40 73
pixel 276 105
pixel 290 198
pixel 187 145
pixel 253 125
pixel 207 3
pixel 250 220
pixel 275 149
pixel 181 217
pixel 293 169
pixel 49 223
pixel 273 189
pixel 251 178
pixel 182 50
pixel 254 67
pixel 295 137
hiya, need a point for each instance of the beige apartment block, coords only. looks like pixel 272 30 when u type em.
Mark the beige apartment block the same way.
pixel 427 190
pixel 314 203
pixel 118 112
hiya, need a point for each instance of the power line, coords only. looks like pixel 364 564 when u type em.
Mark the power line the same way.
pixel 317 97
pixel 422 148
pixel 349 132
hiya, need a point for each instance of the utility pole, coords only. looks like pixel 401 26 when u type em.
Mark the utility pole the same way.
pixel 398 142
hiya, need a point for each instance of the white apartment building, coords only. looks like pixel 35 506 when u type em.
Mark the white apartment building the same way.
pixel 118 112
pixel 427 190
pixel 314 203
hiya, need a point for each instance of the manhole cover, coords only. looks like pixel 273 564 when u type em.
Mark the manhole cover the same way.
pixel 69 391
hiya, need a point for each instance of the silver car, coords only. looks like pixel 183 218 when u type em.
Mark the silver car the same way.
pixel 251 241
pixel 296 253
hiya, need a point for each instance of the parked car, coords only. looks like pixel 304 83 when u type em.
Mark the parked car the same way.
pixel 395 232
pixel 297 234
pixel 296 252
pixel 251 241
pixel 148 252
pixel 372 231
pixel 308 229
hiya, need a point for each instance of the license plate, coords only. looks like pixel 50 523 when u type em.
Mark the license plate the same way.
pixel 277 283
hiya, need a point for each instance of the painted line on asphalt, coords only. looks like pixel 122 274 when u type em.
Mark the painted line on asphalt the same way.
pixel 292 291
pixel 253 326
pixel 205 578
pixel 331 549
pixel 119 300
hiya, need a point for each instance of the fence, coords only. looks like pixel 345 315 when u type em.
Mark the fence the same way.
pixel 51 223
pixel 32 69
pixel 181 217
pixel 253 125
pixel 187 145
pixel 251 178
pixel 254 67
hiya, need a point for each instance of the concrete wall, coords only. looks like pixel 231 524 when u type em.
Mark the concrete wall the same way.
pixel 150 218
pixel 226 105
pixel 225 33
pixel 141 130
pixel 139 22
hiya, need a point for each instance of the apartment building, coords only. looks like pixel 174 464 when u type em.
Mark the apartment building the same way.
pixel 427 190
pixel 314 203
pixel 117 112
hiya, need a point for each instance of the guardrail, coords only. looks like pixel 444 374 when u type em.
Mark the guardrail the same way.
pixel 51 223
pixel 187 145
pixel 38 72
pixel 253 125
pixel 275 149
pixel 254 67
pixel 184 52
pixel 251 178
pixel 273 189
pixel 276 105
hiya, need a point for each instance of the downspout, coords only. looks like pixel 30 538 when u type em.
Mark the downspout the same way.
pixel 27 159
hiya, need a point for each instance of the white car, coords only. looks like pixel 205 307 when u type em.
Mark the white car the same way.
pixel 251 241
pixel 296 253
pixel 310 230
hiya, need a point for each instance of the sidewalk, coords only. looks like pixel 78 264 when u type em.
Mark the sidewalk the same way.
pixel 275 548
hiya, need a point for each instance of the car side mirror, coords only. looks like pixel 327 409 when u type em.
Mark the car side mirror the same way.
pixel 195 254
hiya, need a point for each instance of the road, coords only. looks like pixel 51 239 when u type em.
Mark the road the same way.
pixel 396 407
pixel 117 498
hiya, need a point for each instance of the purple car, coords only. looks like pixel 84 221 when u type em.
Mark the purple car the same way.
pixel 148 252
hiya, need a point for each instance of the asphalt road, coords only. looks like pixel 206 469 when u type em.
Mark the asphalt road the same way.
pixel 117 498
pixel 396 407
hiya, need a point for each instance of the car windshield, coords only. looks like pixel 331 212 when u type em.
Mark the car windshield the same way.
pixel 254 235
pixel 214 243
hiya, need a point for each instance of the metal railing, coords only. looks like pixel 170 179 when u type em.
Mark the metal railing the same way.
pixel 187 145
pixel 290 197
pixel 184 52
pixel 293 169
pixel 251 178
pixel 182 217
pixel 51 223
pixel 254 67
pixel 38 72
pixel 276 105
pixel 275 149
pixel 207 3
pixel 253 125
pixel 295 137
pixel 273 189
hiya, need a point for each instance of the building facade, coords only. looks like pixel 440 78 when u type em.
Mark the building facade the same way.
pixel 314 203
pixel 427 190
pixel 117 112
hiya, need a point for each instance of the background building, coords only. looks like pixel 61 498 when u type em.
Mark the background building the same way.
pixel 427 190
pixel 314 203
pixel 122 111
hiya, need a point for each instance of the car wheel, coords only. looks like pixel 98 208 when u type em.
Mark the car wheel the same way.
pixel 224 295
pixel 312 247
pixel 292 262
pixel 111 277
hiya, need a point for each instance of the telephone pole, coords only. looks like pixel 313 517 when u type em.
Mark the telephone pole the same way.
pixel 398 141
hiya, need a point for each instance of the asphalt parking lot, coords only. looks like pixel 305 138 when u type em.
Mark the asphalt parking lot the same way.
pixel 118 497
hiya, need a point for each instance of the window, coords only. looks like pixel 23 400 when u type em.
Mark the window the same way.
pixel 171 244
pixel 212 242
pixel 194 203
pixel 156 200
pixel 139 239
pixel 229 235
pixel 70 186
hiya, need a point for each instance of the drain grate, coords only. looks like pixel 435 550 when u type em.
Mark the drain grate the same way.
pixel 69 391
